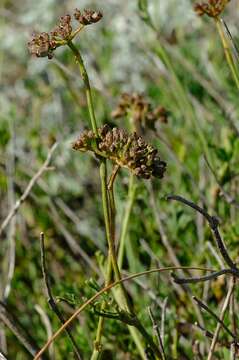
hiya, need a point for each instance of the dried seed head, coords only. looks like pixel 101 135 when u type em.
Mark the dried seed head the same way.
pixel 129 151
pixel 140 110
pixel 211 8
pixel 88 17
pixel 63 30
pixel 41 45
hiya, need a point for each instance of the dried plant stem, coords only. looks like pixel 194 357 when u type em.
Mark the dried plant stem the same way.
pixel 86 81
pixel 213 223
pixel 227 51
pixel 206 308
pixel 10 165
pixel 125 222
pixel 107 289
pixel 51 299
pixel 11 322
pixel 218 328
pixel 157 333
pixel 28 189
pixel 46 321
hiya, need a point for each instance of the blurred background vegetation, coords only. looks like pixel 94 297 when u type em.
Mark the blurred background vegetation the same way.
pixel 178 64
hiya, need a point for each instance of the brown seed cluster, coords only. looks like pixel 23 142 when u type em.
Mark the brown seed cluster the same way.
pixel 212 8
pixel 129 151
pixel 88 16
pixel 63 30
pixel 140 110
pixel 43 44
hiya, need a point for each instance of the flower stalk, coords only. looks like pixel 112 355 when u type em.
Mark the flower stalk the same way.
pixel 86 81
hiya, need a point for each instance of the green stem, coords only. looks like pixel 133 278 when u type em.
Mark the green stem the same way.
pixel 107 209
pixel 125 224
pixel 86 81
pixel 97 343
pixel 108 206
pixel 227 52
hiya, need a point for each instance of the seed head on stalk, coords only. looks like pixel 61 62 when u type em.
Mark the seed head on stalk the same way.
pixel 128 151
pixel 140 110
pixel 211 8
pixel 43 44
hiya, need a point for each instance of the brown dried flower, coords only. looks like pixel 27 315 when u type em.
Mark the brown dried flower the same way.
pixel 129 151
pixel 88 17
pixel 140 110
pixel 63 30
pixel 212 8
pixel 43 44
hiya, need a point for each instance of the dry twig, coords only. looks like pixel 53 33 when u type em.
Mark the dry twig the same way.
pixel 28 189
pixel 51 299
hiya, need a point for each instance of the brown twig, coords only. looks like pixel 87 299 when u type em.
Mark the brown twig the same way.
pixel 213 223
pixel 51 299
pixel 223 311
pixel 11 322
pixel 206 308
pixel 194 280
pixel 46 321
pixel 107 289
pixel 28 189
pixel 157 333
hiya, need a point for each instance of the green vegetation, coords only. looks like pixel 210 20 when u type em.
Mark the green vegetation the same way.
pixel 119 180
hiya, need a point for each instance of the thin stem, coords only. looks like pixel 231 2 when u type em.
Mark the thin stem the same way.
pixel 222 315
pixel 213 223
pixel 194 280
pixel 51 299
pixel 113 177
pixel 121 298
pixel 86 81
pixel 103 175
pixel 99 332
pixel 157 333
pixel 106 210
pixel 206 308
pixel 107 289
pixel 28 189
pixel 8 318
pixel 125 223
pixel 227 51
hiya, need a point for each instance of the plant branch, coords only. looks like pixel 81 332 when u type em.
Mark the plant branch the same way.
pixel 213 223
pixel 51 299
pixel 86 81
pixel 222 315
pixel 157 333
pixel 194 280
pixel 28 189
pixel 106 289
pixel 206 308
